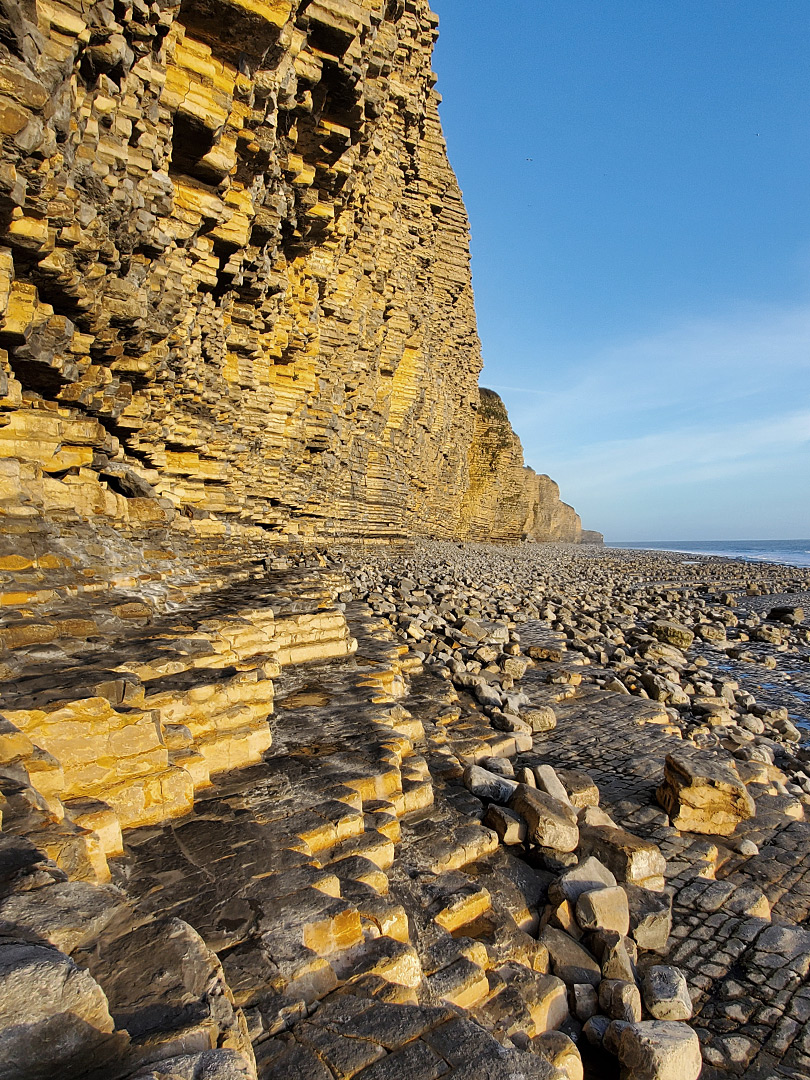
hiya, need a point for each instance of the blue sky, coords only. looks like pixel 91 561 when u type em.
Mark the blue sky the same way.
pixel 637 175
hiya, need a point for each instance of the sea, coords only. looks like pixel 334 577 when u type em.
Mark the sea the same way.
pixel 787 552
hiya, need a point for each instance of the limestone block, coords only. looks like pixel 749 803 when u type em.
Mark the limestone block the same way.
pixel 548 781
pixel 604 909
pixel 672 633
pixel 488 785
pixel 149 799
pixel 569 960
pixel 541 718
pixel 581 788
pixel 620 1000
pixel 560 1052
pixel 52 1011
pixel 650 916
pixel 211 1064
pixel 510 827
pixel 551 823
pixel 99 818
pixel 587 875
pixel 666 993
pixel 701 794
pixel 660 1050
pixel 628 857
pixel 67 914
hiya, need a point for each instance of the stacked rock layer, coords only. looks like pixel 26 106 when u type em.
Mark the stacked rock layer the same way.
pixel 234 275
pixel 505 500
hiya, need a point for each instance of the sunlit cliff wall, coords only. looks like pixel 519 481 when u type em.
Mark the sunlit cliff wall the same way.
pixel 234 273
pixel 506 501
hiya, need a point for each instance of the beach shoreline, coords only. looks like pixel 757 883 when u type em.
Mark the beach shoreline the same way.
pixel 768 552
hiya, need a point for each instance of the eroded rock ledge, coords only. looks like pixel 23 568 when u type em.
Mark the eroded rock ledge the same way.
pixel 449 812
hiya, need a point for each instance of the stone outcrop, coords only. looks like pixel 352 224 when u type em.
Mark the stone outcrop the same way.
pixel 704 796
pixel 505 500
pixel 235 292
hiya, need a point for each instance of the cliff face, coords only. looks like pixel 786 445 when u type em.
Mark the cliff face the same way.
pixel 235 262
pixel 548 517
pixel 235 293
pixel 235 308
pixel 506 501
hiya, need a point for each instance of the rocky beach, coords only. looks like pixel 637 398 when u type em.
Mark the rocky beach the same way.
pixel 527 811
pixel 332 747
pixel 714 772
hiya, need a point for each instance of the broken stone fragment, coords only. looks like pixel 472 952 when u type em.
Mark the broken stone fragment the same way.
pixel 562 916
pixel 595 1029
pixel 650 917
pixel 585 1001
pixel 620 1000
pixel 548 781
pixel 561 1052
pixel 589 874
pixel 703 795
pixel 489 785
pixel 581 788
pixel 613 1036
pixel 672 633
pixel 604 909
pixel 628 857
pixel 666 993
pixel 510 827
pixel 52 1014
pixel 69 914
pixel 792 616
pixel 501 766
pixel 207 1065
pixel 569 960
pixel 539 718
pixel 660 1050
pixel 618 955
pixel 551 823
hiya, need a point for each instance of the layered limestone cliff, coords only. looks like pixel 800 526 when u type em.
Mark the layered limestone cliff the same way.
pixel 234 273
pixel 235 308
pixel 236 269
pixel 506 501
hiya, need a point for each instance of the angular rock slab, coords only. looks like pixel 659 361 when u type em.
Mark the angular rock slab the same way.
pixel 53 1016
pixel 702 795
pixel 587 875
pixel 660 1050
pixel 666 994
pixel 569 960
pixel 672 633
pixel 604 909
pixel 650 917
pixel 551 823
pixel 627 856
pixel 489 785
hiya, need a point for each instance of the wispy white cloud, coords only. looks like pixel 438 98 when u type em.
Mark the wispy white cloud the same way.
pixel 686 454
pixel 699 367
pixel 697 370
pixel 719 404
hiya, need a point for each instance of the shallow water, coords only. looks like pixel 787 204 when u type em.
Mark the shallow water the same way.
pixel 785 552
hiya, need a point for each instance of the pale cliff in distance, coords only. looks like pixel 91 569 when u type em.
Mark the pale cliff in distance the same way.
pixel 505 500
pixel 235 294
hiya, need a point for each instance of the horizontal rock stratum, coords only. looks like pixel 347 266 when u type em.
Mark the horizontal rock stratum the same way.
pixel 235 278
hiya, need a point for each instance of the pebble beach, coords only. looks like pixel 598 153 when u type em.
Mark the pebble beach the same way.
pixel 642 672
